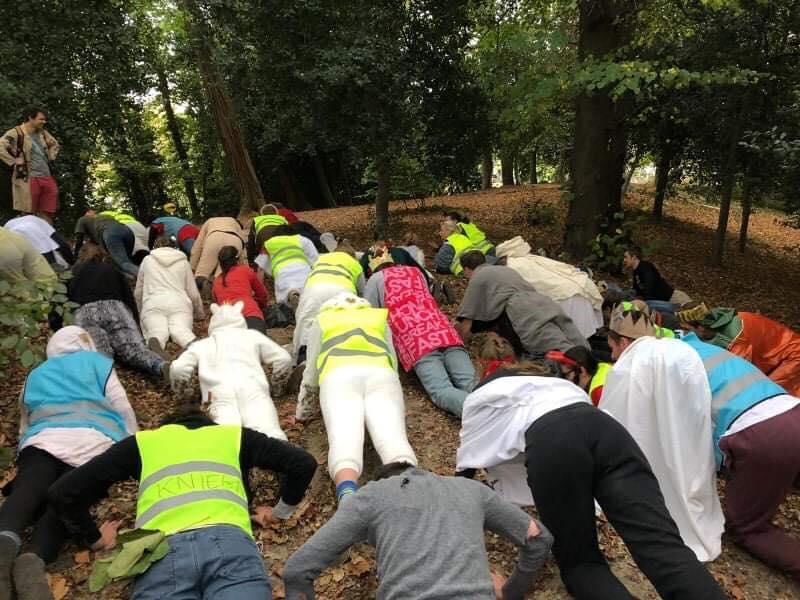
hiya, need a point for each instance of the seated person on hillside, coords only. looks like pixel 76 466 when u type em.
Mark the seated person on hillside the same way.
pixel 769 345
pixel 578 366
pixel 454 245
pixel 426 520
pixel 20 261
pixel 498 298
pixel 541 440
pixel 650 285
pixel 469 229
pixel 572 289
pixel 41 234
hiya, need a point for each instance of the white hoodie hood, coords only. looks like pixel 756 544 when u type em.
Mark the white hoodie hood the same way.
pixel 226 316
pixel 166 257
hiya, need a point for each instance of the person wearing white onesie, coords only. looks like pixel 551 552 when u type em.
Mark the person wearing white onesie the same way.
pixel 232 381
pixel 352 362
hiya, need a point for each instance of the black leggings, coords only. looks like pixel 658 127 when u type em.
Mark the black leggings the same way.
pixel 37 470
pixel 577 454
pixel 256 323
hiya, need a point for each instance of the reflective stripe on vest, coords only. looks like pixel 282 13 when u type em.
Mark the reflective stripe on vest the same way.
pixel 476 236
pixel 736 386
pixel 460 244
pixel 337 268
pixel 284 250
pixel 269 221
pixel 191 478
pixel 78 414
pixel 344 344
pixel 599 379
pixel 118 216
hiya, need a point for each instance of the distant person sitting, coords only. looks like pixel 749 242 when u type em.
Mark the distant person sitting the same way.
pixel 650 285
pixel 469 229
pixel 454 245
pixel 426 520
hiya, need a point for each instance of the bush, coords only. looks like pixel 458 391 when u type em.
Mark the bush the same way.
pixel 539 213
pixel 609 247
pixel 24 307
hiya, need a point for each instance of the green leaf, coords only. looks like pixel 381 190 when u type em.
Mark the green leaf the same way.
pixel 27 359
pixel 9 342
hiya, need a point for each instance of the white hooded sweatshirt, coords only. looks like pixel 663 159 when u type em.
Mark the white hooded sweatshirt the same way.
pixel 568 286
pixel 165 282
pixel 232 380
pixel 658 390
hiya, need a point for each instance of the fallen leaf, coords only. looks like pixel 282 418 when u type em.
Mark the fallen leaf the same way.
pixel 58 586
pixel 82 557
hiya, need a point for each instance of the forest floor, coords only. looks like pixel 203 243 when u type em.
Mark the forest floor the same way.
pixel 765 279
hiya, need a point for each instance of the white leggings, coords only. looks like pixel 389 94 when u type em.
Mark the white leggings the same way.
pixel 351 397
pixel 245 405
pixel 165 322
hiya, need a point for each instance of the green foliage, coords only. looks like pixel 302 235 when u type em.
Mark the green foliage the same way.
pixel 24 310
pixel 609 245
pixel 540 214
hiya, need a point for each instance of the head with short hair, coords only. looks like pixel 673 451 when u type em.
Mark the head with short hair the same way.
pixel 269 209
pixel 163 241
pixel 631 257
pixel 471 260
pixel 35 117
pixel 579 367
pixel 456 216
pixel 91 251
pixel 447 228
pixel 391 469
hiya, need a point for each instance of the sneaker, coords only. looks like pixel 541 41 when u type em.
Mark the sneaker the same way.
pixel 296 378
pixel 155 346
pixel 30 578
pixel 8 552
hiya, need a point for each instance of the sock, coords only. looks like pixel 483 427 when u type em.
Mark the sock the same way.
pixel 345 488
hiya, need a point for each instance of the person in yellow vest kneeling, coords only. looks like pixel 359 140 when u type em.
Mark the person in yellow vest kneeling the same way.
pixel 289 257
pixel 456 242
pixel 350 361
pixel 193 487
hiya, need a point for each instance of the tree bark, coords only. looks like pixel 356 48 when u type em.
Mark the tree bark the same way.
pixel 663 167
pixel 728 181
pixel 382 197
pixel 507 168
pixel 598 157
pixel 534 178
pixel 322 181
pixel 227 124
pixel 747 207
pixel 177 139
pixel 487 168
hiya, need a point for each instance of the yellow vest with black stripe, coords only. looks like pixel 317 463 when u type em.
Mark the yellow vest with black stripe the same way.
pixel 191 478
pixel 460 244
pixel 119 216
pixel 476 236
pixel 353 337
pixel 338 268
pixel 599 378
pixel 284 250
pixel 269 221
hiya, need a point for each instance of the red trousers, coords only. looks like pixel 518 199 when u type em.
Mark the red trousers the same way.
pixel 763 463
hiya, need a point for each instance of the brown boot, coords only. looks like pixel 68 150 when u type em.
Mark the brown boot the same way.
pixel 156 347
pixel 30 578
pixel 8 552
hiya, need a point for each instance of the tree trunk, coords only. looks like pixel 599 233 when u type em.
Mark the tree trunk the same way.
pixel 177 139
pixel 322 180
pixel 728 181
pixel 747 200
pixel 562 168
pixel 487 168
pixel 637 158
pixel 227 124
pixel 534 178
pixel 598 157
pixel 382 197
pixel 507 168
pixel 663 167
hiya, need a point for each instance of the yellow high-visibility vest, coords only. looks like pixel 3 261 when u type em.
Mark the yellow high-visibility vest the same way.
pixel 284 250
pixel 353 336
pixel 460 244
pixel 269 221
pixel 476 236
pixel 119 216
pixel 338 268
pixel 191 478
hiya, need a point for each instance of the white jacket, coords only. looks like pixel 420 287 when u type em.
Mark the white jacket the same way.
pixel 165 280
pixel 231 355
pixel 658 390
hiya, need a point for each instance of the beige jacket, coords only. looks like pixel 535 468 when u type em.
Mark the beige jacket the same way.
pixel 216 233
pixel 8 154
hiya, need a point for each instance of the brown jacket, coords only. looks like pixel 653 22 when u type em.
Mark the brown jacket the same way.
pixel 216 233
pixel 8 154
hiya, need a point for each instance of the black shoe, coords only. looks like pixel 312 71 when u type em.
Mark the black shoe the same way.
pixel 8 552
pixel 30 578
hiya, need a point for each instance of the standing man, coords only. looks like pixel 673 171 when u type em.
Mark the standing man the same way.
pixel 30 149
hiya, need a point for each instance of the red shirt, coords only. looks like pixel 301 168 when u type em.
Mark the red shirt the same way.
pixel 288 215
pixel 241 283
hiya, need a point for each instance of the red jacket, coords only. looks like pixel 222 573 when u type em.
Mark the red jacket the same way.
pixel 241 283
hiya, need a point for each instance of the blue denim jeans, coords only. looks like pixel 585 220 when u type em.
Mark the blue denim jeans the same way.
pixel 118 240
pixel 187 245
pixel 448 376
pixel 220 562
pixel 662 306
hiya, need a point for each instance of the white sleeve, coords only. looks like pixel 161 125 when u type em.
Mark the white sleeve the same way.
pixel 311 376
pixel 118 399
pixel 183 367
pixel 273 354
pixel 310 250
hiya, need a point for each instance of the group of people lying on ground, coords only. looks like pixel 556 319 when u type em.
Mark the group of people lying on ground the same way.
pixel 626 402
